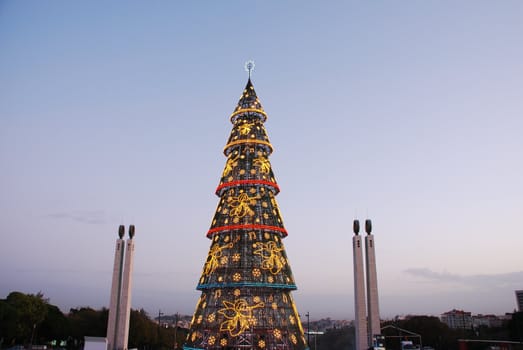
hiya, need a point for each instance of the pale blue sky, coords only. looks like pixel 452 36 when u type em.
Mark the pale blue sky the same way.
pixel 409 112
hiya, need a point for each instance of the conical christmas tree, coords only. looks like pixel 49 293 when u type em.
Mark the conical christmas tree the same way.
pixel 246 282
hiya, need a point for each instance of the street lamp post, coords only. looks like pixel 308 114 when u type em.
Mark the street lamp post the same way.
pixel 160 314
pixel 308 329
pixel 176 331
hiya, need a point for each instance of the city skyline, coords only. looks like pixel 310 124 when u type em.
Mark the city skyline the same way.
pixel 409 115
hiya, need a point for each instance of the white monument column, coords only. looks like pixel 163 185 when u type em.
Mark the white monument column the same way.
pixel 125 299
pixel 360 319
pixel 372 284
pixel 116 287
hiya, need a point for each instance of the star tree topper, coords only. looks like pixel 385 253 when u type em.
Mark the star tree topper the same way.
pixel 249 67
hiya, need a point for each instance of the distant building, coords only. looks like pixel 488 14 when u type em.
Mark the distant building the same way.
pixel 176 320
pixel 326 324
pixel 519 300
pixel 487 321
pixel 457 319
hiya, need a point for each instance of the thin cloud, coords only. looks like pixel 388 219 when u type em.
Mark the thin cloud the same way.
pixel 95 217
pixel 500 280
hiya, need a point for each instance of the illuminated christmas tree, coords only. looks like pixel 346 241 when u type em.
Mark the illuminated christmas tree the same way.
pixel 246 283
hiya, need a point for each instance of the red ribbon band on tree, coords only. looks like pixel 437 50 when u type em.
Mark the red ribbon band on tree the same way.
pixel 247 227
pixel 248 182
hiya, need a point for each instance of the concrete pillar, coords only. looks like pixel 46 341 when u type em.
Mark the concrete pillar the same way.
pixel 116 287
pixel 360 319
pixel 372 288
pixel 125 299
pixel 120 302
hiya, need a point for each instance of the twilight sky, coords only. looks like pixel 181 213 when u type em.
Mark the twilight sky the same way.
pixel 409 113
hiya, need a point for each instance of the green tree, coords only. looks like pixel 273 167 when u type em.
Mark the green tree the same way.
pixel 55 325
pixel 25 316
pixel 142 330
pixel 516 327
pixel 8 323
pixel 87 321
pixel 179 335
pixel 340 338
pixel 433 333
pixel 31 311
